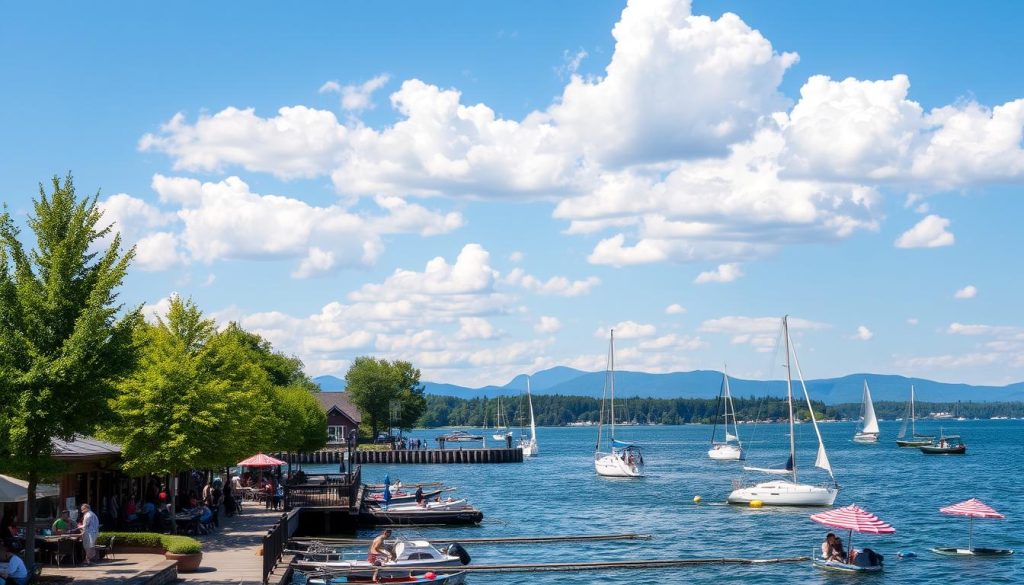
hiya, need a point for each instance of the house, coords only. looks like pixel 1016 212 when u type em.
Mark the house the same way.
pixel 342 416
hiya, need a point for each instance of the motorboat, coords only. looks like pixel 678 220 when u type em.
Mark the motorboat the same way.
pixel 945 445
pixel 460 437
pixel 405 555
pixel 449 504
pixel 399 497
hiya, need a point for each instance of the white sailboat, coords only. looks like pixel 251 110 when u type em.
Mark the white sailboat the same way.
pixel 501 431
pixel 915 440
pixel 868 433
pixel 529 445
pixel 730 449
pixel 790 492
pixel 624 459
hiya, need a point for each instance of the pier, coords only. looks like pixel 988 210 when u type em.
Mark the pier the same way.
pixel 408 456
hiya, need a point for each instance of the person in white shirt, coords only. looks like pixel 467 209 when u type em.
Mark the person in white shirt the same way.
pixel 15 572
pixel 90 525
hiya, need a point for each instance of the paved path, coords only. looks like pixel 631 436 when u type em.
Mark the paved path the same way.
pixel 230 556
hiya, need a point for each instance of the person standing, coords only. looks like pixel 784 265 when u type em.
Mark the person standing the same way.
pixel 377 550
pixel 90 526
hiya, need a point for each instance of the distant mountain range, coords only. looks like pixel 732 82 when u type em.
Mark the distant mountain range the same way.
pixel 706 384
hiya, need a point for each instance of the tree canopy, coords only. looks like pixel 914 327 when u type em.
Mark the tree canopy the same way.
pixel 374 385
pixel 65 341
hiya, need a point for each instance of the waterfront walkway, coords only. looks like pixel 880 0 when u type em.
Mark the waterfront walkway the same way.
pixel 230 555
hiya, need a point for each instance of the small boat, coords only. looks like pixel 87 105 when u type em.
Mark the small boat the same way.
pixel 623 459
pixel 868 432
pixel 460 437
pixel 972 508
pixel 529 446
pixel 416 516
pixel 730 449
pixel 449 504
pixel 945 445
pixel 914 439
pixel 406 554
pixel 426 577
pixel 782 492
pixel 501 432
pixel 854 519
pixel 398 497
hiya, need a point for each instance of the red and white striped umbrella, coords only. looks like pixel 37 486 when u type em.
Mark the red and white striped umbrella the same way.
pixel 972 508
pixel 855 518
pixel 261 460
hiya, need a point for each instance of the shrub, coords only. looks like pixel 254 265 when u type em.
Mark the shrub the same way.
pixel 181 545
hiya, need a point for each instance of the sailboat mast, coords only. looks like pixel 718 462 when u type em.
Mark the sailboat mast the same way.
pixel 913 429
pixel 611 366
pixel 789 398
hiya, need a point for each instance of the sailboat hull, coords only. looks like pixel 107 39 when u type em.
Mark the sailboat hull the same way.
pixel 612 465
pixel 865 438
pixel 529 448
pixel 913 442
pixel 726 452
pixel 785 493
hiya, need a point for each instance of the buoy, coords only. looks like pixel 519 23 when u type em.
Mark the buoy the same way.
pixel 905 555
pixel 430 575
pixel 696 499
pixel 756 503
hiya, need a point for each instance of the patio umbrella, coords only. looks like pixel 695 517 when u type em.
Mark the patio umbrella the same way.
pixel 972 508
pixel 854 519
pixel 260 460
pixel 16 490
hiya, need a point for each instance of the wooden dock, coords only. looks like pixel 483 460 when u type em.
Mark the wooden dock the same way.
pixel 439 456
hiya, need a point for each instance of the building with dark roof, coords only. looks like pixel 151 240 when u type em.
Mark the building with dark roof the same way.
pixel 342 416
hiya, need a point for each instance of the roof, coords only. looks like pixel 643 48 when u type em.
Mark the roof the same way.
pixel 83 447
pixel 339 401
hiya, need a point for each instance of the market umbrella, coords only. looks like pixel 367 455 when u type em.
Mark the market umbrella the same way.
pixel 854 519
pixel 16 490
pixel 972 508
pixel 260 460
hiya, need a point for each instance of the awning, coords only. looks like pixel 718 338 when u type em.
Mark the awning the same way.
pixel 260 460
pixel 855 518
pixel 16 490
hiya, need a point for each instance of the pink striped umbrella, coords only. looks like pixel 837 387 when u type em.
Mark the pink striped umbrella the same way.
pixel 854 518
pixel 260 460
pixel 972 508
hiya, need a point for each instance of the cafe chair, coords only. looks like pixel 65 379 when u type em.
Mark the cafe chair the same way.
pixel 106 551
pixel 65 550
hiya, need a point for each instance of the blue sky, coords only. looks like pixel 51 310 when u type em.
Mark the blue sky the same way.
pixel 486 192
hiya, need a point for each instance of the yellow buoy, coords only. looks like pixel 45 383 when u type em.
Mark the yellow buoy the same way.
pixel 696 499
pixel 756 503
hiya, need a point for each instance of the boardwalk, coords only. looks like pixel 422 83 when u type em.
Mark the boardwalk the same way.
pixel 230 556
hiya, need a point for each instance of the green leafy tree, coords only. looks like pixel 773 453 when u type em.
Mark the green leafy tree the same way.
pixel 374 384
pixel 305 422
pixel 65 342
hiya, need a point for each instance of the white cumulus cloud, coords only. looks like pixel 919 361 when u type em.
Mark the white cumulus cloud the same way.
pixel 968 292
pixel 674 309
pixel 930 232
pixel 863 333
pixel 628 330
pixel 556 285
pixel 724 273
pixel 547 324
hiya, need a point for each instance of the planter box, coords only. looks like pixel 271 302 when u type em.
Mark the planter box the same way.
pixel 186 563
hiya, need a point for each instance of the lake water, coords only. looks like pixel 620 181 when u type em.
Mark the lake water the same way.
pixel 559 493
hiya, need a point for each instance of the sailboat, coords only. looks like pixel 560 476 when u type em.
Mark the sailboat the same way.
pixel 624 459
pixel 500 424
pixel 731 449
pixel 915 440
pixel 868 432
pixel 529 446
pixel 790 492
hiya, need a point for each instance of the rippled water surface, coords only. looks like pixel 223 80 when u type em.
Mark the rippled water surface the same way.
pixel 559 493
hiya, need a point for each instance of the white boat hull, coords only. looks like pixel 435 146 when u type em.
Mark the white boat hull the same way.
pixel 726 453
pixel 865 438
pixel 529 448
pixel 785 493
pixel 610 465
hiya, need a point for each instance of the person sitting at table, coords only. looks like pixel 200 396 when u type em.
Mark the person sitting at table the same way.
pixel 131 511
pixel 12 528
pixel 63 524
pixel 16 573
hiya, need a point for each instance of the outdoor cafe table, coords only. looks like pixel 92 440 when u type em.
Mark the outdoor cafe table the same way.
pixel 188 522
pixel 49 544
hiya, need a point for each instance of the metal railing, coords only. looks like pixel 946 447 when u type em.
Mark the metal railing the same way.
pixel 324 491
pixel 275 541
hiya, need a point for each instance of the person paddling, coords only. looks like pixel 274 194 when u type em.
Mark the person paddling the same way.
pixel 376 548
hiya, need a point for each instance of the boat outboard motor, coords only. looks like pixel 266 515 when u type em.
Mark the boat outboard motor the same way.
pixel 455 549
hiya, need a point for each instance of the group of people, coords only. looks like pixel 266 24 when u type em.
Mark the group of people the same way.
pixel 832 550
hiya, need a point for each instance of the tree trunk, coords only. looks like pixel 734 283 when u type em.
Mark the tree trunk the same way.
pixel 172 479
pixel 30 524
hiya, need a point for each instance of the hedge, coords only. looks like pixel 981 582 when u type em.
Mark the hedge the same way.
pixel 180 545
